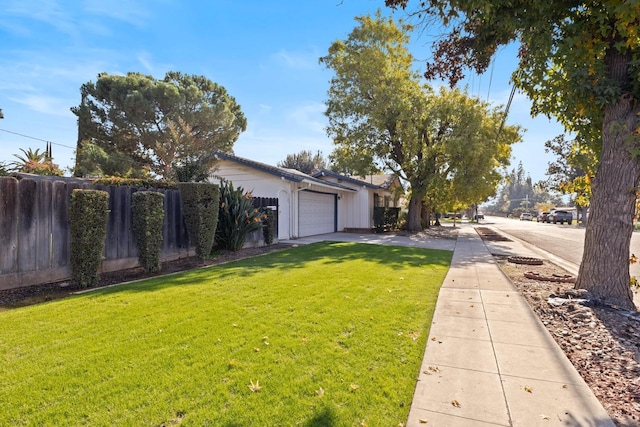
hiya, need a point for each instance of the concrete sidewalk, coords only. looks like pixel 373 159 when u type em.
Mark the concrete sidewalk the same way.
pixel 489 361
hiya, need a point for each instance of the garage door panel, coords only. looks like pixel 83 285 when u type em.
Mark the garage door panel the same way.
pixel 317 213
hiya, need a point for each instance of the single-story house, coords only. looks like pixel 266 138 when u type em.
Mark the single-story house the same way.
pixel 308 205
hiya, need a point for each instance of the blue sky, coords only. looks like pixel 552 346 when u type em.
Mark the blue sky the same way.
pixel 265 53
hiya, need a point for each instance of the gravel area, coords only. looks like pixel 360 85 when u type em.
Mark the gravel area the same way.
pixel 602 343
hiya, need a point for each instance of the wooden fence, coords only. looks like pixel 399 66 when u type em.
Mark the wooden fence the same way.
pixel 35 236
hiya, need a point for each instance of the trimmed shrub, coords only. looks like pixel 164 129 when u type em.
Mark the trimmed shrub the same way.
pixel 200 202
pixel 237 217
pixel 88 213
pixel 378 219
pixel 385 218
pixel 147 216
pixel 269 226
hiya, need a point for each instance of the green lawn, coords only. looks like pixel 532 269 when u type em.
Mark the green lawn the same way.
pixel 328 334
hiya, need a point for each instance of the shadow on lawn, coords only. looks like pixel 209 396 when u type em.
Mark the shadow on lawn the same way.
pixel 328 253
pixel 325 418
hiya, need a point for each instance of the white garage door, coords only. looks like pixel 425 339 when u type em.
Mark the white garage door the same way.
pixel 317 213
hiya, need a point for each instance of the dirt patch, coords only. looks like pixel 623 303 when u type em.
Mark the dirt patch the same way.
pixel 491 235
pixel 603 344
pixel 29 295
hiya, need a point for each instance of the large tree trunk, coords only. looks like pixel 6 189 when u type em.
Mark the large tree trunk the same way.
pixel 414 216
pixel 605 263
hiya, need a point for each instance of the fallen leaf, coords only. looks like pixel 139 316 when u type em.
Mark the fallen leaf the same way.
pixel 254 387
pixel 545 417
pixel 423 421
pixel 256 349
pixel 433 338
pixel 320 392
pixel 471 306
pixel 528 389
pixel 565 386
pixel 455 403
pixel 354 387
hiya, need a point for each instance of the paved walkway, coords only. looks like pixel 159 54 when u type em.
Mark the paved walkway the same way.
pixel 489 361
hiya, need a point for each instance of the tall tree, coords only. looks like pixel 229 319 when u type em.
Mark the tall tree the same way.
pixel 580 62
pixel 170 127
pixel 380 112
pixel 305 161
pixel 571 171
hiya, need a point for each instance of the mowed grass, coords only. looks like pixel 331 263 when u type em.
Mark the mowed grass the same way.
pixel 329 334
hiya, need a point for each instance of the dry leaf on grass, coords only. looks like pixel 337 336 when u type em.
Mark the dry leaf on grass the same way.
pixel 254 387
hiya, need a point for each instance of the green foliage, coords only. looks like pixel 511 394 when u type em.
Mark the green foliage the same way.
pixel 378 219
pixel 36 162
pixel 148 214
pixel 237 217
pixel 519 194
pixel 269 226
pixel 304 161
pixel 88 213
pixel 572 170
pixel 385 218
pixel 133 125
pixel 92 160
pixel 135 182
pixel 381 115
pixel 200 202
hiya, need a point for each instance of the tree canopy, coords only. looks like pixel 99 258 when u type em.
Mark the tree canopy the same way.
pixel 578 62
pixel 136 125
pixel 305 161
pixel 382 117
pixel 572 170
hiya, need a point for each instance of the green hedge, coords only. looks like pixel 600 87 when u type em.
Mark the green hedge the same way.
pixel 269 226
pixel 88 213
pixel 385 218
pixel 135 182
pixel 237 217
pixel 200 204
pixel 148 214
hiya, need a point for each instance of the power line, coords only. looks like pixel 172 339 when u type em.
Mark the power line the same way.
pixel 37 139
pixel 506 110
pixel 493 63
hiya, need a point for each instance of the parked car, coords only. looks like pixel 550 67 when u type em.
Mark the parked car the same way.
pixel 526 216
pixel 560 216
pixel 543 217
pixel 479 216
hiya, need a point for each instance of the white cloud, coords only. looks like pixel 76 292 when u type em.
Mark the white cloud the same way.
pixel 129 11
pixel 46 104
pixel 310 116
pixel 297 60
pixel 47 11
